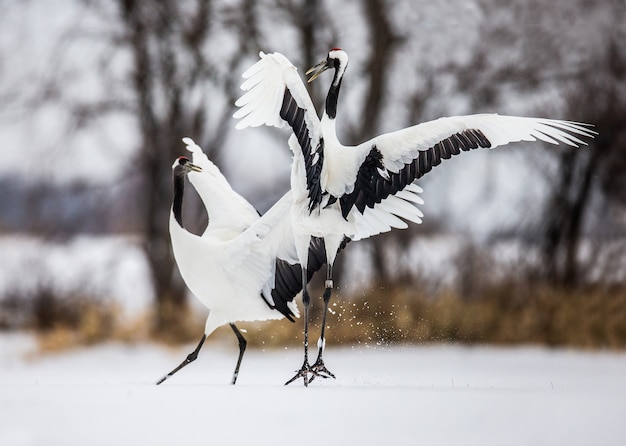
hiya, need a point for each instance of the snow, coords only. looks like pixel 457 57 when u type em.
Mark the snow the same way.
pixel 111 267
pixel 394 395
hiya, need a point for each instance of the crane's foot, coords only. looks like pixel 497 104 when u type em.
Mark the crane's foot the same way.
pixel 315 370
pixel 302 373
pixel 319 369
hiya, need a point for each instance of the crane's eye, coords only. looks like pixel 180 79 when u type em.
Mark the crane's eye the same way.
pixel 182 160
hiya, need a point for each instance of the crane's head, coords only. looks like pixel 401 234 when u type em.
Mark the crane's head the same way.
pixel 182 166
pixel 337 59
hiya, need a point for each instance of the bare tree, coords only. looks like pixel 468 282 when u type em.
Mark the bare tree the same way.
pixel 598 97
pixel 521 49
pixel 315 33
pixel 377 69
pixel 174 79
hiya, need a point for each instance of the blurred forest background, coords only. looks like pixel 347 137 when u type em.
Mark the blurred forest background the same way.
pixel 523 244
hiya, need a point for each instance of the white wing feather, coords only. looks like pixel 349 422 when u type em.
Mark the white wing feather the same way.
pixel 400 147
pixel 390 213
pixel 270 237
pixel 242 240
pixel 228 211
pixel 265 86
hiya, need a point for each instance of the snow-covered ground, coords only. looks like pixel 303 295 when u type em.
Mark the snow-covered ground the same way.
pixel 112 268
pixel 440 395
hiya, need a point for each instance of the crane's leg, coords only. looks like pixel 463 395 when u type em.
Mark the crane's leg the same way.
pixel 242 349
pixel 306 301
pixel 318 368
pixel 191 357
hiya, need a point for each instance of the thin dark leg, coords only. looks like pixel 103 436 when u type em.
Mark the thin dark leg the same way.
pixel 319 368
pixel 306 301
pixel 242 349
pixel 191 357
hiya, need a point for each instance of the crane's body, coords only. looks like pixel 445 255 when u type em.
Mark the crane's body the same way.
pixel 228 274
pixel 244 266
pixel 360 191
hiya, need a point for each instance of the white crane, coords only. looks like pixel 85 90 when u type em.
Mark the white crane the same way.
pixel 243 267
pixel 340 191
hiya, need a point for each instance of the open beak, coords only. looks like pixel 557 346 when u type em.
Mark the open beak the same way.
pixel 317 70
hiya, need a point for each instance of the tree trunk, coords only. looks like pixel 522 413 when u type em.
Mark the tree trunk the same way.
pixel 161 130
pixel 378 71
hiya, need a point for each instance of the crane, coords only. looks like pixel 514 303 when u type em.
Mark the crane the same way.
pixel 356 191
pixel 243 267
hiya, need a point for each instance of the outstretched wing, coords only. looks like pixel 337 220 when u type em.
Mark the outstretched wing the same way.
pixel 275 95
pixel 389 163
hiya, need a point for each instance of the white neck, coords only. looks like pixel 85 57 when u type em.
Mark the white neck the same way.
pixel 329 131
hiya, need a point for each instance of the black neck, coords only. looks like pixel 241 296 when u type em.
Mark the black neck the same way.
pixel 333 96
pixel 177 206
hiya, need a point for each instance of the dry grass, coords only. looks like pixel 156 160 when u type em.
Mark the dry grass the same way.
pixel 507 313
pixel 103 323
pixel 592 318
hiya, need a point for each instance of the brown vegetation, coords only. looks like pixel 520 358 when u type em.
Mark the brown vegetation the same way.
pixel 507 313
pixel 504 314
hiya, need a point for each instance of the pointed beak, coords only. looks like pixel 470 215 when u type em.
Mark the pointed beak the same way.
pixel 317 70
pixel 194 167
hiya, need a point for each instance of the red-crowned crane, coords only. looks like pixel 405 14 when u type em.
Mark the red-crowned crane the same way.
pixel 244 266
pixel 340 191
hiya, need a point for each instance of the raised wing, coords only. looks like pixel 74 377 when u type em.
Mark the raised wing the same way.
pixel 392 161
pixel 275 95
pixel 228 211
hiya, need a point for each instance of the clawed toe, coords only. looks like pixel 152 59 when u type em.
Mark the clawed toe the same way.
pixel 302 373
pixel 319 369
pixel 322 371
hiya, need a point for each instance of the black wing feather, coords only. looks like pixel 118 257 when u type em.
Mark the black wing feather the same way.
pixel 288 282
pixel 371 187
pixel 363 186
pixel 295 117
